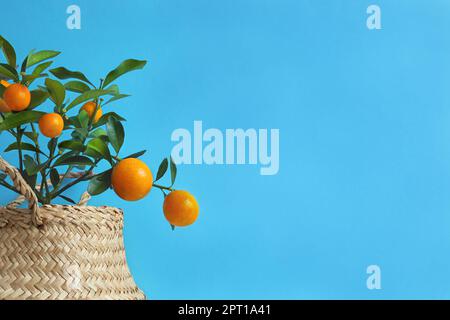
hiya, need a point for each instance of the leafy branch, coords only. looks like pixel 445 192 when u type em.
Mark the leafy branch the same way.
pixel 85 141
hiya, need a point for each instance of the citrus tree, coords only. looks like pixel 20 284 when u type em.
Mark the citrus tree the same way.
pixel 60 149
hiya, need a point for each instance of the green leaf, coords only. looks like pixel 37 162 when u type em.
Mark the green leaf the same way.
pixel 67 199
pixel 72 145
pixel 23 146
pixel 54 177
pixel 88 95
pixel 30 179
pixel 29 78
pixel 74 161
pixel 30 165
pixel 51 145
pixel 31 135
pixel 83 118
pixel 98 149
pixel 8 51
pixel 162 169
pixel 75 121
pixel 136 155
pixel 38 97
pixel 100 183
pixel 20 118
pixel 9 72
pixel 56 90
pixel 173 171
pixel 63 73
pixel 36 57
pixel 23 68
pixel 125 67
pixel 116 97
pixel 80 133
pixel 104 119
pixel 77 86
pixel 113 89
pixel 66 155
pixel 42 67
pixel 116 133
pixel 98 133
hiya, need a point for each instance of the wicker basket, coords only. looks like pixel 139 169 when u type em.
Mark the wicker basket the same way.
pixel 61 252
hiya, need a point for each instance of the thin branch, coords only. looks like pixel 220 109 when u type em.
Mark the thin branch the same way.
pixel 163 188
pixel 86 176
pixel 19 147
pixel 38 159
pixel 8 186
pixel 61 180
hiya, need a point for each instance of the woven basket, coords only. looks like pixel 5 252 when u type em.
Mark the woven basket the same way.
pixel 61 252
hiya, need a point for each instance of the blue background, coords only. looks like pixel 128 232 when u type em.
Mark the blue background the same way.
pixel 364 120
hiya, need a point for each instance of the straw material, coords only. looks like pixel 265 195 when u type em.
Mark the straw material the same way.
pixel 62 252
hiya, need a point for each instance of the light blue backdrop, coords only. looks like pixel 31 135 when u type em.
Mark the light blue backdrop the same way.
pixel 364 118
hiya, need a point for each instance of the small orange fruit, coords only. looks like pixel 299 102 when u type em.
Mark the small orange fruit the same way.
pixel 51 125
pixel 131 179
pixel 3 106
pixel 180 208
pixel 89 107
pixel 17 97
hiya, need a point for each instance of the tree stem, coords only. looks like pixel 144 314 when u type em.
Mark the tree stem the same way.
pixel 75 182
pixel 38 159
pixel 19 148
pixel 8 186
pixel 163 188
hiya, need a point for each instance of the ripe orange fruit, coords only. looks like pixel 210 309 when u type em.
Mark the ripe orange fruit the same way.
pixel 17 97
pixel 3 106
pixel 131 179
pixel 180 208
pixel 89 107
pixel 51 125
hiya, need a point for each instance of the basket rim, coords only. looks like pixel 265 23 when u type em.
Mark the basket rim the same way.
pixel 56 213
pixel 64 206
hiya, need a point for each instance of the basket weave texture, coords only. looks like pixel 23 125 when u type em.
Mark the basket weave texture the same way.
pixel 62 252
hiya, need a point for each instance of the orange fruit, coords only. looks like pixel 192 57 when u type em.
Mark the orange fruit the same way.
pixel 17 97
pixel 51 125
pixel 3 106
pixel 131 179
pixel 180 208
pixel 89 107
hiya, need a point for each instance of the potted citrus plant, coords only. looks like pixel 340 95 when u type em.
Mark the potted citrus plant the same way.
pixel 56 251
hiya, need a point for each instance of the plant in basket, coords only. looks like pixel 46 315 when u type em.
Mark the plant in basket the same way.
pixel 56 151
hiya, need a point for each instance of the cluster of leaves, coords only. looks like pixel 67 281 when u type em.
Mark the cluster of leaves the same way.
pixel 84 143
